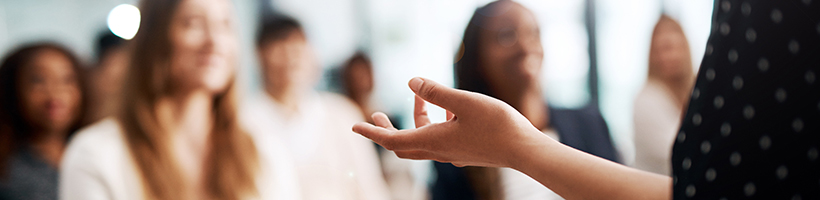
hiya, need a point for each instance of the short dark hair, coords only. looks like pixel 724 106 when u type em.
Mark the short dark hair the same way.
pixel 105 42
pixel 275 28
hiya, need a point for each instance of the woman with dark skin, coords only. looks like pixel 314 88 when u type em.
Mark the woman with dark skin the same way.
pixel 761 143
pixel 502 57
pixel 42 100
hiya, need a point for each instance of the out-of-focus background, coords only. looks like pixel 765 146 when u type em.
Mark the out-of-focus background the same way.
pixel 596 51
pixel 420 38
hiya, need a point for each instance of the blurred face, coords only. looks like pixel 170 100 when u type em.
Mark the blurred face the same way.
pixel 113 68
pixel 670 51
pixel 204 45
pixel 361 78
pixel 289 64
pixel 49 92
pixel 511 47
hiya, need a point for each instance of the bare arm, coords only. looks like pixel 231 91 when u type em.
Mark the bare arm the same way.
pixel 574 174
pixel 483 131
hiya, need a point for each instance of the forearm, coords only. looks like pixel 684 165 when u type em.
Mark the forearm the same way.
pixel 489 132
pixel 574 174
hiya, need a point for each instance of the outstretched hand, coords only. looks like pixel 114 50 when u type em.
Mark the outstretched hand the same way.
pixel 483 131
pixel 479 131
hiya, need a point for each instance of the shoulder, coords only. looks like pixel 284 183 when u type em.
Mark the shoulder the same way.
pixel 582 124
pixel 28 175
pixel 255 114
pixel 584 129
pixel 340 105
pixel 583 117
pixel 255 106
pixel 97 165
pixel 652 93
pixel 103 135
pixel 92 145
pixel 336 99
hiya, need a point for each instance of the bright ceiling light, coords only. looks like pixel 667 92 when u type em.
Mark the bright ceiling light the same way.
pixel 124 21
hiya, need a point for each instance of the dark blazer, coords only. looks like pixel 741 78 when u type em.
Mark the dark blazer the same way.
pixel 583 129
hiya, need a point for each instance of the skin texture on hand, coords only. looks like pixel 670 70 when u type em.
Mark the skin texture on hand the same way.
pixel 465 138
pixel 483 131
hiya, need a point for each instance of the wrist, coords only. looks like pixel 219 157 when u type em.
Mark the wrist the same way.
pixel 528 150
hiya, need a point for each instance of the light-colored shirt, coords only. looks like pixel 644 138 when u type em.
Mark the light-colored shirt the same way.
pixel 333 162
pixel 657 119
pixel 98 165
pixel 519 186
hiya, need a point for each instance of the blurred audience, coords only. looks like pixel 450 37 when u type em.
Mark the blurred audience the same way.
pixel 332 161
pixel 178 135
pixel 659 106
pixel 41 103
pixel 502 56
pixel 357 80
pixel 105 79
pixel 166 122
pixel 357 77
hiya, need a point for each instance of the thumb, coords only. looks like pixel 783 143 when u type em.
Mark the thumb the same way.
pixel 448 98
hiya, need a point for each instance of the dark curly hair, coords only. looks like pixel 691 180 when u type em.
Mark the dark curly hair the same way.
pixel 15 132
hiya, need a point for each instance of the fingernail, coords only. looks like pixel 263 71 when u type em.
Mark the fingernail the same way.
pixel 415 84
pixel 354 129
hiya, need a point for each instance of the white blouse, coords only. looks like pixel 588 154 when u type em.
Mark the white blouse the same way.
pixel 520 186
pixel 332 161
pixel 657 119
pixel 98 165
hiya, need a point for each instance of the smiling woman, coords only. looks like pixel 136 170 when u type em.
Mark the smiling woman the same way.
pixel 178 135
pixel 40 106
pixel 502 57
pixel 757 143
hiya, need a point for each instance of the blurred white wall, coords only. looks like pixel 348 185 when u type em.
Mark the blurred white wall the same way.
pixel 566 58
pixel 73 23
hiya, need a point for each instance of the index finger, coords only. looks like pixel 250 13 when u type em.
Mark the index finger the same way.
pixel 389 139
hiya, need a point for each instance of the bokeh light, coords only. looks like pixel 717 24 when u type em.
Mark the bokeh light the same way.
pixel 124 21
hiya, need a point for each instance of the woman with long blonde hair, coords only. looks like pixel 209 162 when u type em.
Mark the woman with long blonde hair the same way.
pixel 177 135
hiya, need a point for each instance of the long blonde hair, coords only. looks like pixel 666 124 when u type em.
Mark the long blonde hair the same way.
pixel 232 161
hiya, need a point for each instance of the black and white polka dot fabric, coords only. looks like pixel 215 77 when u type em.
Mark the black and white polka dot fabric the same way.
pixel 752 129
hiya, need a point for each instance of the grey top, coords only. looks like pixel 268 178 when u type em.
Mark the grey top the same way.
pixel 28 176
